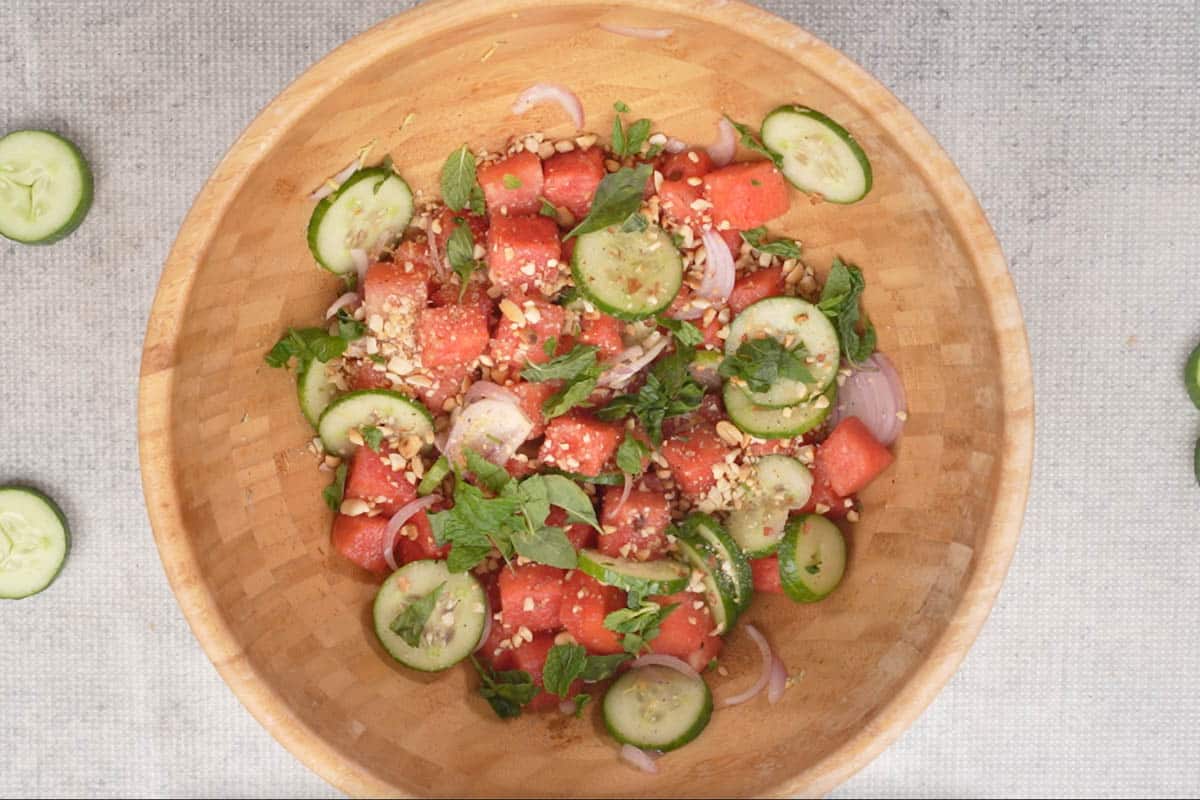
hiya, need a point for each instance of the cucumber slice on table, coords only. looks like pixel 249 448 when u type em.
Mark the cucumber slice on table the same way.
pixel 784 318
pixel 1191 376
pixel 781 483
pixel 315 390
pixel 644 577
pixel 454 627
pixel 34 540
pixel 776 423
pixel 819 155
pixel 812 558
pixel 45 187
pixel 628 275
pixel 371 407
pixel 657 708
pixel 374 204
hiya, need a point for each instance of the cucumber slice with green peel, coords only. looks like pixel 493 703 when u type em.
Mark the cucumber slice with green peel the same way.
pixel 45 187
pixel 703 530
pixel 630 276
pixel 372 206
pixel 789 319
pixel 657 708
pixel 704 368
pixel 377 407
pixel 644 577
pixel 782 480
pixel 758 529
pixel 34 540
pixel 776 423
pixel 454 626
pixel 1191 376
pixel 780 483
pixel 315 389
pixel 819 155
pixel 812 558
pixel 719 590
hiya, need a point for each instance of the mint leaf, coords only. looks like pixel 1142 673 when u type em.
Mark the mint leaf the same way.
pixel 684 332
pixel 565 663
pixel 750 140
pixel 784 248
pixel 459 181
pixel 572 395
pixel 640 625
pixel 348 327
pixel 304 345
pixel 581 700
pixel 566 494
pixel 410 622
pixel 566 367
pixel 840 299
pixel 620 107
pixel 489 475
pixel 505 691
pixel 460 249
pixel 334 491
pixel 602 667
pixel 630 454
pixel 548 209
pixel 669 391
pixel 433 477
pixel 618 195
pixel 762 362
pixel 510 181
pixel 548 545
pixel 372 436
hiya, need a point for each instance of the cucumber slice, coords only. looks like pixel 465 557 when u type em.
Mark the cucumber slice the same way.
pixel 776 423
pixel 657 708
pixel 780 484
pixel 706 531
pixel 371 407
pixel 45 187
pixel 704 368
pixel 783 480
pixel 628 275
pixel 455 625
pixel 719 590
pixel 315 390
pixel 819 155
pixel 34 540
pixel 645 577
pixel 1191 376
pixel 812 558
pixel 758 529
pixel 782 318
pixel 373 205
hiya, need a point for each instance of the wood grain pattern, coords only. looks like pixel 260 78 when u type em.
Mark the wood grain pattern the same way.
pixel 235 501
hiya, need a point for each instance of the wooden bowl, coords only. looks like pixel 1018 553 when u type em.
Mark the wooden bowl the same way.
pixel 235 500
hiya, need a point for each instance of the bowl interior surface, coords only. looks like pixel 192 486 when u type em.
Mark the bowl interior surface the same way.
pixel 236 499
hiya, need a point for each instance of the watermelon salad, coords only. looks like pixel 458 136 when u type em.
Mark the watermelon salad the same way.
pixel 583 409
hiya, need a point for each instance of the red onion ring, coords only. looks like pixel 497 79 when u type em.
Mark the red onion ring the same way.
pixel 721 151
pixel 873 393
pixel 566 707
pixel 637 33
pixel 670 662
pixel 625 492
pixel 764 649
pixel 487 626
pixel 674 145
pixel 331 185
pixel 346 300
pixel 778 681
pixel 550 92
pixel 480 390
pixel 630 362
pixel 361 262
pixel 492 428
pixel 639 758
pixel 719 274
pixel 406 512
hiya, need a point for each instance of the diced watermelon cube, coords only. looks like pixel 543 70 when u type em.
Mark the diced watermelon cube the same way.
pixel 360 539
pixel 530 595
pixel 684 630
pixel 512 186
pixel 447 294
pixel 824 500
pixel 452 335
pixel 766 575
pixel 746 195
pixel 532 396
pixel 754 286
pixel 637 530
pixel 450 219
pixel 675 198
pixel 851 457
pixel 580 535
pixel 524 251
pixel 692 456
pixel 370 477
pixel 421 546
pixel 603 332
pixel 693 162
pixel 531 657
pixel 571 179
pixel 578 442
pixel 365 375
pixel 586 602
pixel 733 240
pixel 516 343
pixel 709 649
pixel 446 382
pixel 395 288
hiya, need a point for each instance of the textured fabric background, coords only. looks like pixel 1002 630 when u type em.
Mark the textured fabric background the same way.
pixel 1074 122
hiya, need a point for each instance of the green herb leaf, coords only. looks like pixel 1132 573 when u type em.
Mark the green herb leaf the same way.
pixel 684 332
pixel 349 328
pixel 505 691
pixel 548 209
pixel 635 224
pixel 565 663
pixel 548 545
pixel 620 107
pixel 750 140
pixel 581 700
pixel 492 476
pixel 476 202
pixel 762 362
pixel 410 622
pixel 372 436
pixel 510 181
pixel 601 668
pixel 840 302
pixel 653 152
pixel 460 249
pixel 669 391
pixel 534 500
pixel 640 625
pixel 635 137
pixel 784 248
pixel 376 358
pixel 334 491
pixel 566 494
pixel 304 345
pixel 618 136
pixel 573 395
pixel 580 360
pixel 433 477
pixel 459 181
pixel 618 196
pixel 631 453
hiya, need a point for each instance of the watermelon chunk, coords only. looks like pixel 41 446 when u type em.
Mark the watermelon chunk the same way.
pixel 395 288
pixel 684 630
pixel 530 595
pixel 531 657
pixel 512 186
pixel 851 457
pixel 675 198
pixel 452 335
pixel 603 332
pixel 586 602
pixel 571 179
pixel 360 539
pixel 746 195
pixel 638 529
pixel 524 251
pixel 578 442
pixel 692 455
pixel 516 343
pixel 693 162
pixel 370 477
pixel 755 286
pixel 766 575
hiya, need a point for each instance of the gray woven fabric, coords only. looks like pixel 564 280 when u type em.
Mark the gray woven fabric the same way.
pixel 1075 123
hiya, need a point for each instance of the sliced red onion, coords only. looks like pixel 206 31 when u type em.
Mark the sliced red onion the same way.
pixel 625 492
pixel 721 151
pixel 777 682
pixel 674 145
pixel 345 301
pixel 719 274
pixel 331 185
pixel 693 309
pixel 406 512
pixel 639 758
pixel 637 33
pixel 492 428
pixel 361 262
pixel 487 626
pixel 670 662
pixel 764 649
pixel 566 707
pixel 873 393
pixel 481 390
pixel 550 92
pixel 630 362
